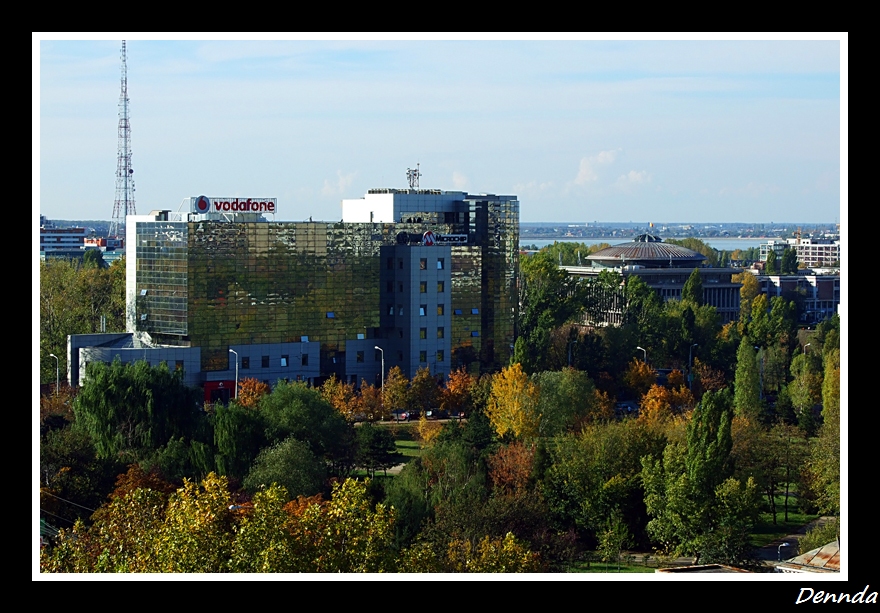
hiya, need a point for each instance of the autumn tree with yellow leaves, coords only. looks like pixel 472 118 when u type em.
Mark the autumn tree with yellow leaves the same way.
pixel 513 403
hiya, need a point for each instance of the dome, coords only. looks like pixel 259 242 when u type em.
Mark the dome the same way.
pixel 649 251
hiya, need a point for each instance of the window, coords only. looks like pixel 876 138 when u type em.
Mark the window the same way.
pixel 331 315
pixel 441 332
pixel 475 333
pixel 391 309
pixel 458 311
pixel 389 264
pixel 284 361
pixel 400 332
pixel 423 287
pixel 305 359
pixel 440 355
pixel 440 263
pixel 440 287
pixel 178 365
pixel 400 264
pixel 245 363
pixel 360 357
pixel 423 333
pixel 423 264
pixel 423 310
pixel 265 361
pixel 400 287
pixel 440 309
pixel 400 356
pixel 475 311
pixel 389 287
pixel 400 310
pixel 423 356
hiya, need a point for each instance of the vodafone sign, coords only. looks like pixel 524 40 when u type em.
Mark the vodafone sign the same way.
pixel 203 204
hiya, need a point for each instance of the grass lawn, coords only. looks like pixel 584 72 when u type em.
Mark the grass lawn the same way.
pixel 410 449
pixel 765 532
pixel 602 567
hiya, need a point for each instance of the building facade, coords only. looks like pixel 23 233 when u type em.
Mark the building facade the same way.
pixel 425 277
pixel 811 252
pixel 817 296
pixel 665 268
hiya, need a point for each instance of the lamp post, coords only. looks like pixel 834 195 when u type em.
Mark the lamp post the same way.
pixel 779 551
pixel 570 343
pixel 383 371
pixel 805 348
pixel 52 355
pixel 690 374
pixel 645 352
pixel 236 372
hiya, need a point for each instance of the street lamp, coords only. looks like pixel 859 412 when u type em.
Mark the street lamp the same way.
pixel 383 371
pixel 571 342
pixel 236 372
pixel 645 352
pixel 805 347
pixel 690 374
pixel 779 551
pixel 52 355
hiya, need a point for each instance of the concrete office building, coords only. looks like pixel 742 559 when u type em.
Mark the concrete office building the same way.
pixel 430 277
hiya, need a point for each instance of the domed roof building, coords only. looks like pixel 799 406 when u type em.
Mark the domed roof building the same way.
pixel 648 251
pixel 665 268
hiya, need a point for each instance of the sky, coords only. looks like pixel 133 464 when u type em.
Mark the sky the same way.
pixel 580 131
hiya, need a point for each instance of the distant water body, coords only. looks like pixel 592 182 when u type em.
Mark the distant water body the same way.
pixel 722 244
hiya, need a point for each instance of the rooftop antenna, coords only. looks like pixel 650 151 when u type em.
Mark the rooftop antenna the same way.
pixel 412 177
pixel 124 203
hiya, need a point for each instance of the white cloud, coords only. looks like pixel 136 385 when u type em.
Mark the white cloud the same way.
pixel 460 181
pixel 341 185
pixel 587 171
pixel 634 176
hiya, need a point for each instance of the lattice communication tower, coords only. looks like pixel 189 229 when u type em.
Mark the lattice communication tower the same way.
pixel 124 203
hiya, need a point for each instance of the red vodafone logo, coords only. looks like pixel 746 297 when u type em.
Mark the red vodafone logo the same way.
pixel 428 238
pixel 203 205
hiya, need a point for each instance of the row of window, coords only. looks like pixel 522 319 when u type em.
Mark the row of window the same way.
pixel 423 263
pixel 423 287
pixel 423 356
pixel 285 361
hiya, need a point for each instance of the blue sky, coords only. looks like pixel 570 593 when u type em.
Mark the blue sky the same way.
pixel 580 130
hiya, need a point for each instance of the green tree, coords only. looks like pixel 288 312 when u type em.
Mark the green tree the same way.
pixel 93 258
pixel 692 292
pixel 789 264
pixel 747 385
pixel 695 244
pixel 567 400
pixel 695 507
pixel 131 409
pixel 771 267
pixel 375 448
pixel 289 464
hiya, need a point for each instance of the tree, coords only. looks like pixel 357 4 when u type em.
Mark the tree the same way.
pixel 513 404
pixel 805 391
pixel 692 292
pixel 289 464
pixel 250 391
pixel 695 244
pixel 639 377
pixel 771 267
pixel 747 386
pixel 396 390
pixel 789 264
pixel 567 400
pixel 661 403
pixel 456 396
pixel 424 393
pixel 132 409
pixel 376 448
pixel 341 396
pixel 695 507
pixel 93 258
pixel 749 290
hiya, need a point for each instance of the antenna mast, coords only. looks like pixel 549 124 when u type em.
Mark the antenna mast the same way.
pixel 124 203
pixel 412 177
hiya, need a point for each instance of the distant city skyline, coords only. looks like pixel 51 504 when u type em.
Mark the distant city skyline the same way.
pixel 609 131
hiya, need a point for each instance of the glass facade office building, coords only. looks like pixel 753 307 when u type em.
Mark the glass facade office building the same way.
pixel 217 281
